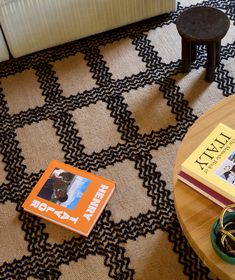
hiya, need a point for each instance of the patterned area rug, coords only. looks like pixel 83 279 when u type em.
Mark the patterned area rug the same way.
pixel 114 104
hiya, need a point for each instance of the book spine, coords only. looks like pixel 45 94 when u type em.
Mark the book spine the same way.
pixel 209 185
pixel 204 190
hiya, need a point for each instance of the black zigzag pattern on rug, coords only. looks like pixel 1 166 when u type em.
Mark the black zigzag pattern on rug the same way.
pixel 135 147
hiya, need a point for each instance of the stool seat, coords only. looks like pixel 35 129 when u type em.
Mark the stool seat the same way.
pixel 202 25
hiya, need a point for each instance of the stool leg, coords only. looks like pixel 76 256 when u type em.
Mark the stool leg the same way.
pixel 186 55
pixel 211 62
pixel 218 47
pixel 193 52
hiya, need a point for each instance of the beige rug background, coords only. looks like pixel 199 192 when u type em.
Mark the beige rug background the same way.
pixel 117 105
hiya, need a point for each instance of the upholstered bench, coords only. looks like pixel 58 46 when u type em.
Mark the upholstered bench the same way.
pixel 30 26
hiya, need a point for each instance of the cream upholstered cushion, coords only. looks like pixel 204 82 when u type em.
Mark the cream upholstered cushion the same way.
pixel 4 54
pixel 32 25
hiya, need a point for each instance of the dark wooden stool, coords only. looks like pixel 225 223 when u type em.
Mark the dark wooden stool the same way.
pixel 202 25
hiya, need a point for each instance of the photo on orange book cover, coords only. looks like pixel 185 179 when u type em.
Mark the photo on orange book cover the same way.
pixel 70 197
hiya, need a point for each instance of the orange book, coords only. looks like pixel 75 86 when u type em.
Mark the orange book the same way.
pixel 70 197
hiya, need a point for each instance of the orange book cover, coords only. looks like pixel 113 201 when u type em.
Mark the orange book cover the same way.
pixel 70 197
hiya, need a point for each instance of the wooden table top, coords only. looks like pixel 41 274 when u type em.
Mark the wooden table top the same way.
pixel 196 213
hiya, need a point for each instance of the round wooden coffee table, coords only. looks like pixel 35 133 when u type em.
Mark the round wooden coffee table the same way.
pixel 196 213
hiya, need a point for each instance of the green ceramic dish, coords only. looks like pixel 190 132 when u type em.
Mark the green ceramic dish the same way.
pixel 215 228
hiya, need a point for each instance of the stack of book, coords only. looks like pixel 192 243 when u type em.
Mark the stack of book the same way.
pixel 210 169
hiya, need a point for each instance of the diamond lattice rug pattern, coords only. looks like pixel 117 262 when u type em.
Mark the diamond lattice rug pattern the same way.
pixel 117 105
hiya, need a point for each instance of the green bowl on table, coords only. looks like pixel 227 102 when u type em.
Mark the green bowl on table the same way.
pixel 216 247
